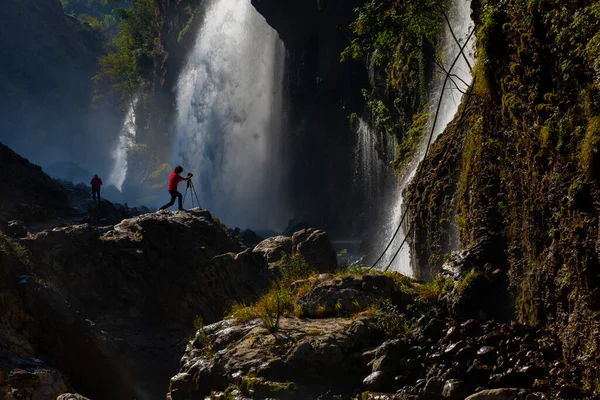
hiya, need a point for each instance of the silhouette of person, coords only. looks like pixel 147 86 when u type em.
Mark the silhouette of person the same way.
pixel 96 183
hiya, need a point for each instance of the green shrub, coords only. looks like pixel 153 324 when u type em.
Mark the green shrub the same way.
pixel 390 321
pixel 242 313
pixel 202 338
pixel 294 267
pixel 274 305
pixel 433 291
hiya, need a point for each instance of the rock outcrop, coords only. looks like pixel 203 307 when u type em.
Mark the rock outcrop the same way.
pixel 28 194
pixel 395 341
pixel 46 107
pixel 105 308
pixel 323 93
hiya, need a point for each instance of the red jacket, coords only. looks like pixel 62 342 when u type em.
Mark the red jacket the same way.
pixel 174 179
pixel 96 182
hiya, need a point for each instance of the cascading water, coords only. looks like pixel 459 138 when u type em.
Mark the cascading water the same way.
pixel 126 139
pixel 230 117
pixel 460 17
pixel 369 167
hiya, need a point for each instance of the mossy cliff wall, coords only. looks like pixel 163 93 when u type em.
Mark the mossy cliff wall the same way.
pixel 520 177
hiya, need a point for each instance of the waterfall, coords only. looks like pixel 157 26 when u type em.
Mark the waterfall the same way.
pixel 369 167
pixel 229 121
pixel 460 17
pixel 119 155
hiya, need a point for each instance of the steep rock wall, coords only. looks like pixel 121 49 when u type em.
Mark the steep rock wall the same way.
pixel 46 107
pixel 323 92
pixel 521 174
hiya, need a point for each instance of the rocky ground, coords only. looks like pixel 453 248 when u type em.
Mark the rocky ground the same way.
pixel 374 336
pixel 97 301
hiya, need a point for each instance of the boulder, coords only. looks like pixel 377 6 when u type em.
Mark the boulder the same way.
pixel 342 296
pixel 498 394
pixel 315 246
pixel 16 229
pixel 71 396
pixel 274 248
pixel 305 353
pixel 378 381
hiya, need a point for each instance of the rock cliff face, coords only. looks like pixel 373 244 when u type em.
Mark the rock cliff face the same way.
pixel 106 309
pixel 323 93
pixel 521 176
pixel 48 61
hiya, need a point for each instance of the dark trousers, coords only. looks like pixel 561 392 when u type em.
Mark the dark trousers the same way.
pixel 95 193
pixel 174 194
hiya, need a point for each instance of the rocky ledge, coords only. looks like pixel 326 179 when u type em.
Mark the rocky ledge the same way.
pixel 374 336
pixel 107 310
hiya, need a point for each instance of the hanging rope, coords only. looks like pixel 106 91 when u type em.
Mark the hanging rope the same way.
pixel 420 167
pixel 442 162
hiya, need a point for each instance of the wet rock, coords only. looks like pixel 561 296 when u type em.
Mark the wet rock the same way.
pixel 498 394
pixel 487 355
pixel 378 381
pixel 570 391
pixel 71 396
pixel 455 389
pixel 434 329
pixel 16 229
pixel 434 385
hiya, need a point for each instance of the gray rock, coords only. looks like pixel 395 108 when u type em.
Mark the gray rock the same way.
pixel 71 396
pixel 435 385
pixel 274 248
pixel 455 389
pixel 16 229
pixel 314 245
pixel 498 394
pixel 378 381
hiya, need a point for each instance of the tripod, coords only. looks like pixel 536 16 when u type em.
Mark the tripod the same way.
pixel 190 186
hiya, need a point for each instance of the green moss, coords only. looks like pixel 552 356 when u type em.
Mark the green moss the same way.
pixel 467 282
pixel 590 148
pixel 408 146
pixel 527 306
pixel 192 13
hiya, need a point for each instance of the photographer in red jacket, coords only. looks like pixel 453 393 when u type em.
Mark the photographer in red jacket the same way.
pixel 174 179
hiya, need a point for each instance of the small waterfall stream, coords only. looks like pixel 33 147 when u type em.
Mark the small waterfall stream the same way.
pixel 126 139
pixel 460 16
pixel 230 117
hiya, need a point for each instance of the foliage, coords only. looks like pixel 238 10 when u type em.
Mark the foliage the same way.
pixel 94 8
pixel 590 149
pixel 99 14
pixel 275 304
pixel 279 301
pixel 467 281
pixel 396 40
pixel 391 322
pixel 293 267
pixel 412 138
pixel 202 339
pixel 131 60
pixel 192 16
pixel 436 289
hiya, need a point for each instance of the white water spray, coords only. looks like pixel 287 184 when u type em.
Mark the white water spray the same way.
pixel 119 155
pixel 229 117
pixel 460 18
